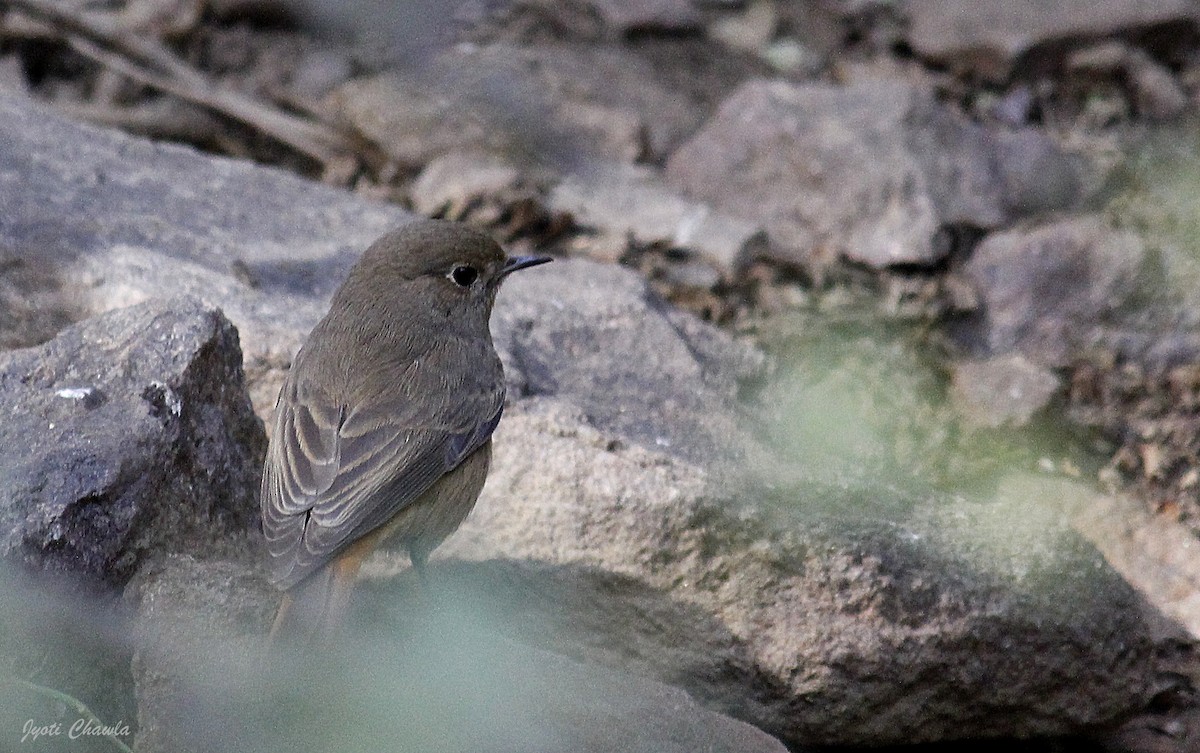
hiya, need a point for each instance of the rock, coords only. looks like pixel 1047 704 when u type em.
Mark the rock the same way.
pixel 414 125
pixel 137 220
pixel 1159 556
pixel 625 471
pixel 1106 57
pixel 32 304
pixel 1046 288
pixel 486 192
pixel 624 201
pixel 1033 176
pixel 821 169
pixel 666 386
pixel 12 76
pixel 1015 107
pixel 449 184
pixel 135 433
pixel 869 171
pixel 1005 390
pixel 790 56
pixel 991 38
pixel 462 687
pixel 625 16
pixel 751 30
pixel 318 72
pixel 1154 90
pixel 1157 94
pixel 823 617
pixel 199 628
pixel 564 104
pixel 161 19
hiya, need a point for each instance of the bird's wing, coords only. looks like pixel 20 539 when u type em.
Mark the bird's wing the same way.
pixel 334 473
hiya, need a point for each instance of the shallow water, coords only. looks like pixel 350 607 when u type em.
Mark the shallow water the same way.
pixel 860 408
pixel 864 401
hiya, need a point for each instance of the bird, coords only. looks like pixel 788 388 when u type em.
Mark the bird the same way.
pixel 383 426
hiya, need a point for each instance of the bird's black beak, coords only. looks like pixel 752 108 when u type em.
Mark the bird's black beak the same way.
pixel 513 263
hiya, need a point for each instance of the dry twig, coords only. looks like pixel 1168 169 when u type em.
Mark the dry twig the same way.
pixel 150 63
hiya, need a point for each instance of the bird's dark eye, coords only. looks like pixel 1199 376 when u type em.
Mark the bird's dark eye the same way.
pixel 464 275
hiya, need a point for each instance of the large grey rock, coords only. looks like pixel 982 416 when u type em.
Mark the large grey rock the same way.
pixel 620 471
pixel 1046 289
pixel 977 610
pixel 869 171
pixel 595 337
pixel 127 433
pixel 1157 554
pixel 990 38
pixel 450 685
pixel 105 221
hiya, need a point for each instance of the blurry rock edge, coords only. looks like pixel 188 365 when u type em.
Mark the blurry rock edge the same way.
pixel 608 477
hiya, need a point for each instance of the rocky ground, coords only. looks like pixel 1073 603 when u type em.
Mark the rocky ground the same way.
pixel 719 180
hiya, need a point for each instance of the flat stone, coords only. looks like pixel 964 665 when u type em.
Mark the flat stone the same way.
pixel 990 38
pixel 631 200
pixel 456 179
pixel 1006 390
pixel 626 16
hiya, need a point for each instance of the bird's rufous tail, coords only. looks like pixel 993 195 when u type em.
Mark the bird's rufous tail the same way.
pixel 314 609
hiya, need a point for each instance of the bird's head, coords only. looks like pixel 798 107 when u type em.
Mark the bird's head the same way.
pixel 444 268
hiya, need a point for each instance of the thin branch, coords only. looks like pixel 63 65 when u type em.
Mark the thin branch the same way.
pixel 163 118
pixel 148 62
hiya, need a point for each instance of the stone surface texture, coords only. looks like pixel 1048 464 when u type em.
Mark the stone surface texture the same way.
pixel 565 104
pixel 992 37
pixel 127 433
pixel 1046 288
pixel 869 172
pixel 1006 390
pixel 632 202
pixel 461 689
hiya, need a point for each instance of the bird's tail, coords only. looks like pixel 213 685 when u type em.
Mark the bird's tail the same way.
pixel 313 610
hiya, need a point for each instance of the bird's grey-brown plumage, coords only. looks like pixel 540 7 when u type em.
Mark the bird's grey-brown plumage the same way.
pixel 383 426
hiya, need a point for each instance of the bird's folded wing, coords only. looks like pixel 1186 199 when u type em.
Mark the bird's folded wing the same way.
pixel 335 473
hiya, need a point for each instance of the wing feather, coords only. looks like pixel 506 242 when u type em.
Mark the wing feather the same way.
pixel 335 472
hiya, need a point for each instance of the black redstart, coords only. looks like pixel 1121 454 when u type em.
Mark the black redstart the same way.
pixel 383 427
